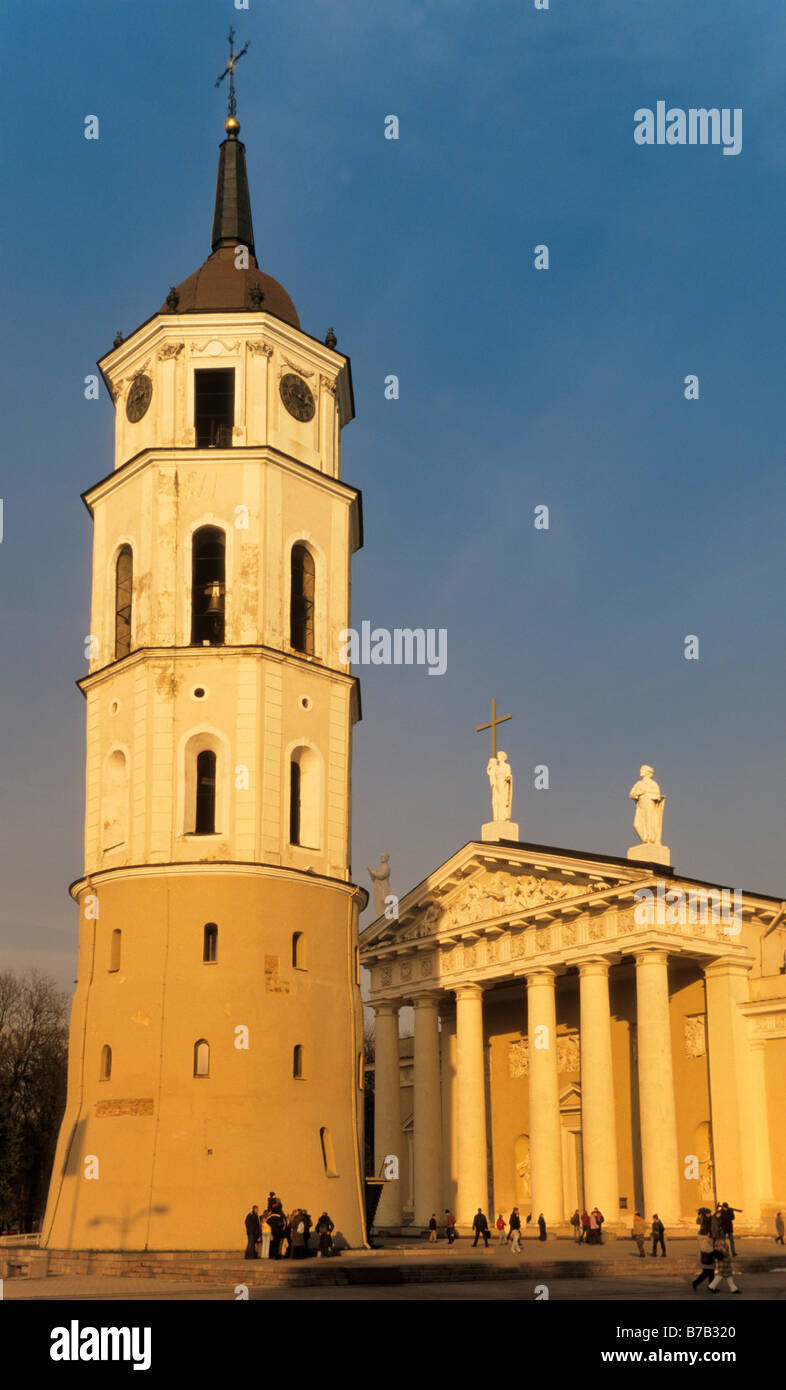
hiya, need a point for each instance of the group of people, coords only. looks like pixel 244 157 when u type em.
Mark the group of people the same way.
pixel 276 1236
pixel 588 1226
pixel 716 1247
pixel 508 1232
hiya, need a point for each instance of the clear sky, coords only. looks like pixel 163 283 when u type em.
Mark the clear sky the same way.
pixel 518 388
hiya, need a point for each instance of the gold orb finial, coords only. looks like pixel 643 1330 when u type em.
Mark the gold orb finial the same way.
pixel 231 126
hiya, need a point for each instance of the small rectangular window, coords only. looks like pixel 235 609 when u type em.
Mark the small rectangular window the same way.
pixel 214 407
pixel 210 943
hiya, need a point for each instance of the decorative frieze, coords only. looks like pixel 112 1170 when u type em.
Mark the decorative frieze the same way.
pixel 568 1055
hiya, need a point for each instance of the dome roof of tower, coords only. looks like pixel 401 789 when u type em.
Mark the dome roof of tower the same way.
pixel 218 286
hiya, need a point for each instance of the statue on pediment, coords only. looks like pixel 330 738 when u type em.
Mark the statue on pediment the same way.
pixel 650 803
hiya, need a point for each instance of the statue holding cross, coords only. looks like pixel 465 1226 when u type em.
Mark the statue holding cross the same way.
pixel 500 775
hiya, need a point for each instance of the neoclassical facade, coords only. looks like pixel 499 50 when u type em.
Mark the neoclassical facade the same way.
pixel 588 1030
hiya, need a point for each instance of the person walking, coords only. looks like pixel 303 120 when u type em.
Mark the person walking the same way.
pixel 727 1215
pixel 706 1258
pixel 432 1229
pixel 585 1226
pixel 253 1234
pixel 325 1232
pixel 657 1234
pixel 450 1226
pixel 639 1232
pixel 716 1226
pixel 575 1222
pixel 480 1226
pixel 515 1231
pixel 541 1227
pixel 725 1271
pixel 500 1224
pixel 779 1229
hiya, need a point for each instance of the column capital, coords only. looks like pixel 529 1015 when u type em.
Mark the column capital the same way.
pixel 728 965
pixel 386 1007
pixel 539 975
pixel 469 991
pixel 593 965
pixel 655 955
pixel 429 997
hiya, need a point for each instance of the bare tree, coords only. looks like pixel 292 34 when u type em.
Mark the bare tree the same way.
pixel 33 1069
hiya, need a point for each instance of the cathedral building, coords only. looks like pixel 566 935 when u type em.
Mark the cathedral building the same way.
pixel 588 1031
pixel 216 1045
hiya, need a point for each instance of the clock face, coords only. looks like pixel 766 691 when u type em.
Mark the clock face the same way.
pixel 297 397
pixel 139 397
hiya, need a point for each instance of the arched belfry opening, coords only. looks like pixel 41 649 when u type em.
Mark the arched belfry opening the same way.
pixel 208 587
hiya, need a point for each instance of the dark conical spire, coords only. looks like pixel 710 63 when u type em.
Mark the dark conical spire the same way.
pixel 232 223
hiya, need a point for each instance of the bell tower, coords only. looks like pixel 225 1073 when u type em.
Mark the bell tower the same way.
pixel 216 1034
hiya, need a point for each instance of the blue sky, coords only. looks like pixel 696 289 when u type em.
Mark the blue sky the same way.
pixel 517 388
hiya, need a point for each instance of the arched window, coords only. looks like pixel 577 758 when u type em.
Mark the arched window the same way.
pixel 301 607
pixel 298 950
pixel 201 1058
pixel 205 818
pixel 208 587
pixel 114 949
pixel 106 1062
pixel 210 942
pixel 305 799
pixel 124 582
pixel 297 1061
pixel 114 801
pixel 328 1153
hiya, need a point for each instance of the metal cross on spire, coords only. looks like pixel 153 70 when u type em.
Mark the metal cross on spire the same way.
pixel 230 68
pixel 493 726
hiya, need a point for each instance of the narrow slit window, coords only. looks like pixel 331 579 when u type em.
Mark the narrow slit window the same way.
pixel 294 803
pixel 124 583
pixel 328 1153
pixel 301 618
pixel 297 1061
pixel 210 942
pixel 205 820
pixel 114 949
pixel 208 587
pixel 214 407
pixel 298 950
pixel 201 1058
pixel 106 1062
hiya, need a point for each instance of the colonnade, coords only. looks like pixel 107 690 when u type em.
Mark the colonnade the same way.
pixel 467 1131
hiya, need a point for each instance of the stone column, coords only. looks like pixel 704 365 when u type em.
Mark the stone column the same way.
pixel 598 1122
pixel 472 1160
pixel 658 1115
pixel 387 1111
pixel 734 1136
pixel 428 1110
pixel 448 1089
pixel 545 1130
pixel 761 1119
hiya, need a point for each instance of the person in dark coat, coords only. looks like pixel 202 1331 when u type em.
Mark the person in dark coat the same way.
pixel 253 1234
pixel 716 1229
pixel 276 1223
pixel 541 1227
pixel 480 1226
pixel 779 1229
pixel 450 1226
pixel 727 1215
pixel 432 1227
pixel 325 1233
pixel 307 1234
pixel 297 1222
pixel 514 1231
pixel 657 1234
